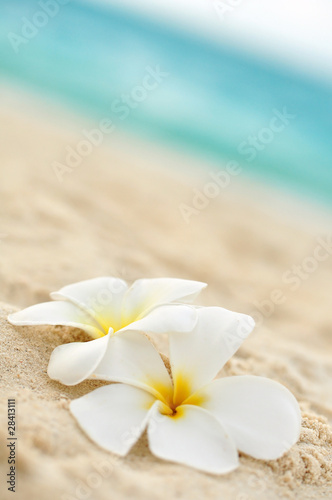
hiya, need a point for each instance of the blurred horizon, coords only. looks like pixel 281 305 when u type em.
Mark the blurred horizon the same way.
pixel 175 87
pixel 297 34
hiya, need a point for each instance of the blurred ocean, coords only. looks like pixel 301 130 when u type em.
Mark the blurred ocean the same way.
pixel 207 99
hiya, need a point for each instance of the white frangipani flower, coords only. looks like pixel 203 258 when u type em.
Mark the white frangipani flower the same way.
pixel 105 308
pixel 190 418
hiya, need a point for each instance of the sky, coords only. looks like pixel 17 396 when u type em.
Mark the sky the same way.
pixel 296 33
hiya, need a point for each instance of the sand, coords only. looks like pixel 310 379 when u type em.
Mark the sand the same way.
pixel 118 214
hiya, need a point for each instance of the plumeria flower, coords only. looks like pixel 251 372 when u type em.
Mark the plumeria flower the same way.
pixel 106 308
pixel 190 418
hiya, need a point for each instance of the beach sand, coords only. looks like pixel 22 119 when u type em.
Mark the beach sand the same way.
pixel 118 214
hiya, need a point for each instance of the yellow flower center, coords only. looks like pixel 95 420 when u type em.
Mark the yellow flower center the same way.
pixel 173 399
pixel 107 324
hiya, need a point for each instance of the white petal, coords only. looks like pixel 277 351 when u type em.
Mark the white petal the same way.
pixel 100 297
pixel 166 319
pixel 132 359
pixel 72 363
pixel 56 313
pixel 262 416
pixel 113 416
pixel 196 359
pixel 146 294
pixel 193 437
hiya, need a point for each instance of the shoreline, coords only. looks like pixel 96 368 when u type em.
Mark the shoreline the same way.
pixel 299 209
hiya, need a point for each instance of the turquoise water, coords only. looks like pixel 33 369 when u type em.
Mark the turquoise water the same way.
pixel 212 101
